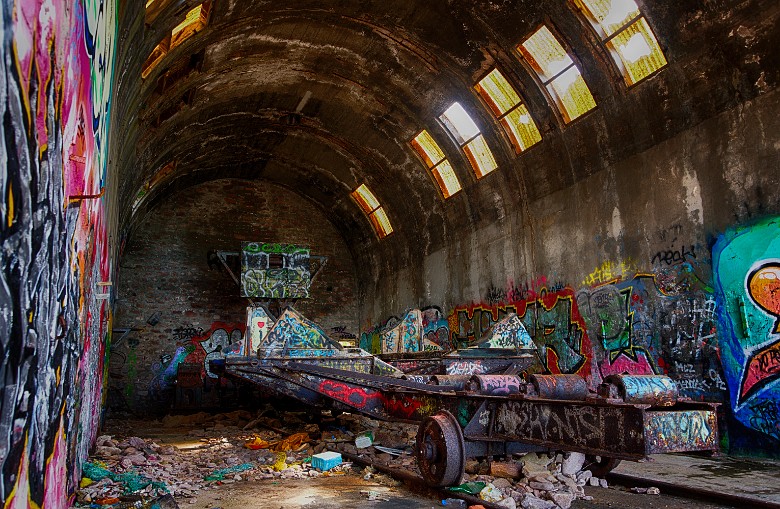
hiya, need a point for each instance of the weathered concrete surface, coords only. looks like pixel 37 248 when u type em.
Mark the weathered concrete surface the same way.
pixel 750 478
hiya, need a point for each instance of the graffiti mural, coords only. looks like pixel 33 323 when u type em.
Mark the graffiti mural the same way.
pixel 220 340
pixel 746 270
pixel 404 337
pixel 656 323
pixel 58 68
pixel 436 329
pixel 274 271
pixel 293 331
pixel 425 330
pixel 550 317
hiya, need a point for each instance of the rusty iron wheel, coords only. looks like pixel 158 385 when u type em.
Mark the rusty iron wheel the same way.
pixel 441 451
pixel 600 466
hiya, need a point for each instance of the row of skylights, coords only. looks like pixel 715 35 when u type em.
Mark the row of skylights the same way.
pixel 195 21
pixel 375 212
pixel 625 33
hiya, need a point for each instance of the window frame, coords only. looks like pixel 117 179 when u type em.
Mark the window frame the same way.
pixel 371 213
pixel 585 14
pixel 167 43
pixel 436 165
pixel 467 153
pixel 499 117
pixel 553 98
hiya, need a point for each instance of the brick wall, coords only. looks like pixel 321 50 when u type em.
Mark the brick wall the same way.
pixel 165 275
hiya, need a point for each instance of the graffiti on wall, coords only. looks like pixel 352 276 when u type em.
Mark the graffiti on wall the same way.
pixel 425 329
pixel 746 272
pixel 58 60
pixel 274 271
pixel 662 322
pixel 550 317
pixel 222 339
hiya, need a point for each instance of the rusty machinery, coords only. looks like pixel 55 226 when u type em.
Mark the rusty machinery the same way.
pixel 629 417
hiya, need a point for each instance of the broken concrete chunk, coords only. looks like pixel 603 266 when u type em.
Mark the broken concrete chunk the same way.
pixel 572 463
pixel 532 502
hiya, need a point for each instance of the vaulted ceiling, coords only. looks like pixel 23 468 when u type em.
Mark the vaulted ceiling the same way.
pixel 321 97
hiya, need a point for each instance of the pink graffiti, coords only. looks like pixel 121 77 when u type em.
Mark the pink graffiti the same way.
pixel 357 397
pixel 624 364
pixel 400 406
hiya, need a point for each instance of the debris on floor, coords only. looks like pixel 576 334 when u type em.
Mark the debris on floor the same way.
pixel 127 471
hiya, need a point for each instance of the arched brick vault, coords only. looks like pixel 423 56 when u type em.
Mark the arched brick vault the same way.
pixel 378 73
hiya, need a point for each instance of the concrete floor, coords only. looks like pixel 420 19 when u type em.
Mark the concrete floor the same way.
pixel 348 492
pixel 750 478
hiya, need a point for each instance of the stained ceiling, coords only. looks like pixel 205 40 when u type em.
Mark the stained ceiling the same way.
pixel 321 97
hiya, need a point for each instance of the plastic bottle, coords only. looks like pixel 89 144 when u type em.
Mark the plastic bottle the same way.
pixel 454 503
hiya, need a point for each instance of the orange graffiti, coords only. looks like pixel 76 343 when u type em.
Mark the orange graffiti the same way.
pixel 764 288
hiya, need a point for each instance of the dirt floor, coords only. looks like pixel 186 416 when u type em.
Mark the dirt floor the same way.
pixel 198 458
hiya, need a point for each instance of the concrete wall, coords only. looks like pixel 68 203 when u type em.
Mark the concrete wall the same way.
pixel 56 245
pixel 616 272
pixel 166 273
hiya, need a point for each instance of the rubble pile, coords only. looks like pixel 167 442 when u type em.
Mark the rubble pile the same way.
pixel 198 452
pixel 534 480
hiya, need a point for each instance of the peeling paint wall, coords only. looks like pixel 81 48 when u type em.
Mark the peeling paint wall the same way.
pixel 55 240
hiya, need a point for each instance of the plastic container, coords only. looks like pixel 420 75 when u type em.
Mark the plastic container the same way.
pixel 326 460
pixel 454 503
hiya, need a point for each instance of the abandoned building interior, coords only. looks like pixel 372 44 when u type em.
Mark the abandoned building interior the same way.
pixel 601 174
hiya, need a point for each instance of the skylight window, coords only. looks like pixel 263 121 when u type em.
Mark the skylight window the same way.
pixel 626 34
pixel 437 163
pixel 468 136
pixel 509 110
pixel 558 74
pixel 195 21
pixel 376 213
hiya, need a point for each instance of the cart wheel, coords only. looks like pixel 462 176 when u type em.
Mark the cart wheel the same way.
pixel 600 466
pixel 441 451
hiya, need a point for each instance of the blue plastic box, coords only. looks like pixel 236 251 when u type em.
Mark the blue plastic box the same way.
pixel 326 460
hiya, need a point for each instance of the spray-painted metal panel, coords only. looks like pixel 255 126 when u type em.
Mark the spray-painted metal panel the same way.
pixel 680 431
pixel 274 271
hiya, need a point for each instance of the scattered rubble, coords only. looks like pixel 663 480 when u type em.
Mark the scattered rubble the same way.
pixel 127 472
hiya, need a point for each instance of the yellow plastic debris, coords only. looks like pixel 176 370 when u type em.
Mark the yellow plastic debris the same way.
pixel 281 461
pixel 85 481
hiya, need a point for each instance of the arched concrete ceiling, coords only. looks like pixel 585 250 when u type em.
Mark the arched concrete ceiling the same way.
pixel 376 73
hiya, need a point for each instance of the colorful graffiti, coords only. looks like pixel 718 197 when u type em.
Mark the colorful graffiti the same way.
pixel 274 271
pixel 292 330
pixel 58 70
pixel 220 340
pixel 550 317
pixel 425 329
pixel 746 271
pixel 656 323
pixel 507 333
